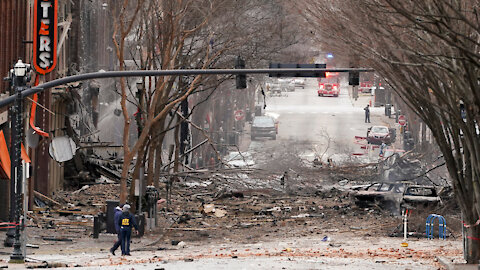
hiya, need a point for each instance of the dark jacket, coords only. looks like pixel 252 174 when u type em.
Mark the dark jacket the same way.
pixel 127 220
pixel 116 219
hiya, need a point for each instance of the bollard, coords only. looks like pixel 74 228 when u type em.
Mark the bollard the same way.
pixel 96 227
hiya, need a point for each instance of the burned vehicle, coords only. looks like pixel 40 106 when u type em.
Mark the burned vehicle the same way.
pixel 385 195
pixel 416 195
pixel 396 196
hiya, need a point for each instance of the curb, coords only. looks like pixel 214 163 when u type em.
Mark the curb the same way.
pixel 449 265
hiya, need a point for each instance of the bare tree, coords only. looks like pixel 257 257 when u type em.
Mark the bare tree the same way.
pixel 173 34
pixel 428 51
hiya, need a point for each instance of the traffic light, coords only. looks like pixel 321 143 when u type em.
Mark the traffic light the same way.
pixel 240 78
pixel 353 78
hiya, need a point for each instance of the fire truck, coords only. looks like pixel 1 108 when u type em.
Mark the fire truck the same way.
pixel 330 85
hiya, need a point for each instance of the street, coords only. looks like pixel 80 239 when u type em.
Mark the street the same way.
pixel 235 133
pixel 340 251
pixel 306 224
pixel 321 126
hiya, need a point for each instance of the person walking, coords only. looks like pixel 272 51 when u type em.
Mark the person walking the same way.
pixel 382 149
pixel 367 113
pixel 116 218
pixel 126 222
pixel 284 179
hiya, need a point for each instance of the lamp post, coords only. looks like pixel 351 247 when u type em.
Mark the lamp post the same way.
pixel 18 76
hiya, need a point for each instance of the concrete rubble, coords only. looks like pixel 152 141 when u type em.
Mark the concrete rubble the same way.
pixel 214 207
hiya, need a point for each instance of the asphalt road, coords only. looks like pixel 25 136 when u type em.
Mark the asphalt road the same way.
pixel 323 126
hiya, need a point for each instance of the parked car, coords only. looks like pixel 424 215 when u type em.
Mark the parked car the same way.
pixel 263 126
pixel 299 82
pixel 287 86
pixel 239 159
pixel 380 134
pixel 275 89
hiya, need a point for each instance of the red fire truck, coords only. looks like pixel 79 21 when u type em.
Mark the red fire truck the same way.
pixel 330 85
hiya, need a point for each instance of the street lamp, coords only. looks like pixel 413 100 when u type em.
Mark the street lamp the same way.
pixel 20 69
pixel 18 77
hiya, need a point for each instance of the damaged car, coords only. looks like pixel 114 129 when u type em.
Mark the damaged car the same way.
pixel 385 195
pixel 417 195
pixel 396 196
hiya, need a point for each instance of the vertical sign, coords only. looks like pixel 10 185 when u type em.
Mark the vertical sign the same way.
pixel 45 35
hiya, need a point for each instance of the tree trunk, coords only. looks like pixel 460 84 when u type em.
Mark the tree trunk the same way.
pixel 123 180
pixel 472 244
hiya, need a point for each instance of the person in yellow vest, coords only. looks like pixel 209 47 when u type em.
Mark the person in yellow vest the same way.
pixel 126 222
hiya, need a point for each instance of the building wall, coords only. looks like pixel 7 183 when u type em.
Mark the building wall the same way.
pixel 49 174
pixel 12 34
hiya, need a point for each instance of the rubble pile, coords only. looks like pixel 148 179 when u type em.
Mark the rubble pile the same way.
pixel 235 206
pixel 89 197
pixel 213 209
pixel 418 168
pixel 69 214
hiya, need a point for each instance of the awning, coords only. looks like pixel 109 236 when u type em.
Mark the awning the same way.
pixel 5 156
